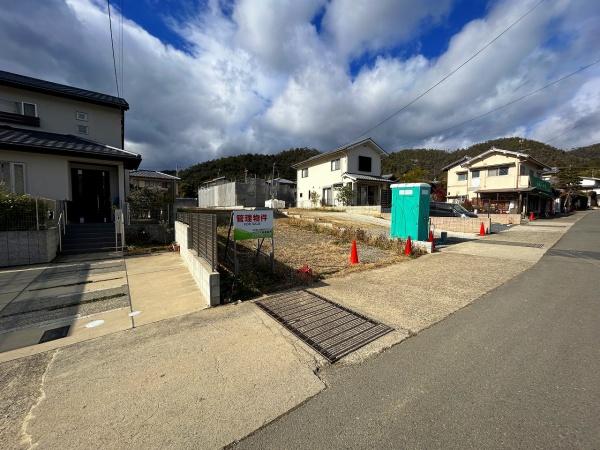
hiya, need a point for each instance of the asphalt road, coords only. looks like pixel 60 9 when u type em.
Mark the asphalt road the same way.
pixel 518 368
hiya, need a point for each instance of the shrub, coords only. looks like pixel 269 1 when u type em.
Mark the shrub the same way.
pixel 18 212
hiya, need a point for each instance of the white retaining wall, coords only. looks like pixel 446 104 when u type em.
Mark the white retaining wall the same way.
pixel 207 280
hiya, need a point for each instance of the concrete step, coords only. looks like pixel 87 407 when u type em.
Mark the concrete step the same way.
pixel 83 250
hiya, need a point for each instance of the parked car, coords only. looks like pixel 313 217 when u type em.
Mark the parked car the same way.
pixel 440 209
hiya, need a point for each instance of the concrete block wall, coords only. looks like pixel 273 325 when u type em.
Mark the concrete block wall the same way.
pixel 460 224
pixel 207 280
pixel 28 247
pixel 363 209
pixel 504 219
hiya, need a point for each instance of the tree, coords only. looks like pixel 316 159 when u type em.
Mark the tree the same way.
pixel 314 198
pixel 414 175
pixel 568 180
pixel 345 194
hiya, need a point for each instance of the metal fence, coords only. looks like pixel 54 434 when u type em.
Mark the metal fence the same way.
pixel 162 214
pixel 25 213
pixel 202 234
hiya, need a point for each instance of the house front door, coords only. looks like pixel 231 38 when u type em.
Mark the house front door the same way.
pixel 90 196
pixel 327 197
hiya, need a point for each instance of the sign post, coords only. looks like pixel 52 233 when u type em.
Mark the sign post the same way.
pixel 248 225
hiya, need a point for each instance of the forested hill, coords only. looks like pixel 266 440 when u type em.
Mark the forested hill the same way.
pixel 406 165
pixel 426 164
pixel 235 167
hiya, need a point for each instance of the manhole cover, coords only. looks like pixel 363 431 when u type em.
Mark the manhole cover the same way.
pixel 510 243
pixel 330 329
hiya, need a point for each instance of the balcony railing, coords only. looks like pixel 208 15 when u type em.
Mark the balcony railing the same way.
pixel 540 184
pixel 20 119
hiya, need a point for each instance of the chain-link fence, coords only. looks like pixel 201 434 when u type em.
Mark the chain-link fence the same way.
pixel 25 213
pixel 203 234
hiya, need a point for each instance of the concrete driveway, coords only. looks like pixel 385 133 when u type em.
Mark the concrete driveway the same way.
pixel 82 297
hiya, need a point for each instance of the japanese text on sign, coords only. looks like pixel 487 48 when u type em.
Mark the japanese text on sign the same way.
pixel 252 224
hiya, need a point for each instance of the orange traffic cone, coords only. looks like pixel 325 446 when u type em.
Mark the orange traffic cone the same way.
pixel 531 216
pixel 481 230
pixel 432 240
pixel 408 247
pixel 354 253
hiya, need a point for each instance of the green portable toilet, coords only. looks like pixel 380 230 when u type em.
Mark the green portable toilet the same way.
pixel 410 211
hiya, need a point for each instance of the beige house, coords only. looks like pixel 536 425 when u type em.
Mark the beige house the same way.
pixel 357 164
pixel 502 180
pixel 64 143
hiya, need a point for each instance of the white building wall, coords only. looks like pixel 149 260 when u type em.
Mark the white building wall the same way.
pixel 364 150
pixel 320 176
pixel 58 115
pixel 49 176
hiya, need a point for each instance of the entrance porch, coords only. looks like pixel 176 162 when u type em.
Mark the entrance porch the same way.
pixel 96 190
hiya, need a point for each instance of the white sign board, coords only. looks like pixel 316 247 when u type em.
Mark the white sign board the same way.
pixel 252 224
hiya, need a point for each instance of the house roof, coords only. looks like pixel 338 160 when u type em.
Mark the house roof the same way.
pixel 63 144
pixel 456 163
pixel 361 177
pixel 506 152
pixel 491 191
pixel 47 87
pixel 282 181
pixel 143 173
pixel 343 148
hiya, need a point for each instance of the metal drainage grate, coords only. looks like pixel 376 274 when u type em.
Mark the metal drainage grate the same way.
pixel 511 243
pixel 55 333
pixel 330 329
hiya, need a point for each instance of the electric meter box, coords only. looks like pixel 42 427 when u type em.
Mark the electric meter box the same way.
pixel 410 211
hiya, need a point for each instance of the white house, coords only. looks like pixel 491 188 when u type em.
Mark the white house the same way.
pixel 591 186
pixel 357 164
pixel 64 143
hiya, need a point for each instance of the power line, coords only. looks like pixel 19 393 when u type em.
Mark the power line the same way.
pixel 512 102
pixel 112 44
pixel 452 72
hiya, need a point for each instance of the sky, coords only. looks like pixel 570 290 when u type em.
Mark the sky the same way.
pixel 212 78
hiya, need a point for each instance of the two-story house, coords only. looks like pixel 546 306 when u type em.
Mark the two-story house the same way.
pixel 357 164
pixel 64 143
pixel 501 180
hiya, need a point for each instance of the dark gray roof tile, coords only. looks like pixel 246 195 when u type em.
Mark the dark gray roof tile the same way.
pixel 48 87
pixel 66 144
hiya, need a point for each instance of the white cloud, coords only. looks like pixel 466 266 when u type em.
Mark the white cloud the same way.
pixel 357 26
pixel 263 78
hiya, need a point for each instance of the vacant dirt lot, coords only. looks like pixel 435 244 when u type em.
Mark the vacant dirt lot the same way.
pixel 295 247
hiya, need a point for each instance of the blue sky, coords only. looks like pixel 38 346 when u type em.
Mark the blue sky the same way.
pixel 219 77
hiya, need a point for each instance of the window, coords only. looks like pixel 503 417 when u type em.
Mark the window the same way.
pixel 462 176
pixel 83 116
pixel 83 129
pixel 498 171
pixel 12 176
pixel 335 164
pixel 475 174
pixel 29 109
pixel 304 173
pixel 300 194
pixel 364 164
